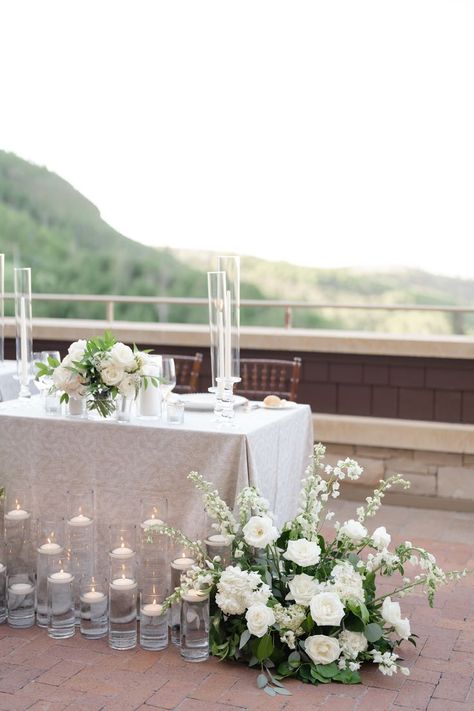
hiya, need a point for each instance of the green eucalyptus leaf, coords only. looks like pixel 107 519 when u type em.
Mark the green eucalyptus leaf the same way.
pixel 262 681
pixel 244 638
pixel 270 690
pixel 373 632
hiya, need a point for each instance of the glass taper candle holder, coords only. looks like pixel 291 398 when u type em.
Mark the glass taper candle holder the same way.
pixel 230 265
pixel 50 545
pixel 122 604
pixel 153 619
pixel 195 626
pixel 181 563
pixel 24 328
pixel 21 599
pixel 94 608
pixel 61 610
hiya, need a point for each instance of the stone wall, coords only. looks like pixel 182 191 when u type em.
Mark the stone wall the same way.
pixel 438 479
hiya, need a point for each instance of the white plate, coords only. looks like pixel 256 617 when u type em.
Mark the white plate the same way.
pixel 206 401
pixel 287 405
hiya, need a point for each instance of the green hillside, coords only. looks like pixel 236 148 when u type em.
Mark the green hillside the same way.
pixel 46 224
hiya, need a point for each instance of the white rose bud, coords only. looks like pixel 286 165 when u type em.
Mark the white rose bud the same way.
pixel 322 649
pixel 259 531
pixel 381 539
pixel 326 609
pixel 391 612
pixel 353 530
pixel 259 618
pixel 303 552
pixel 302 589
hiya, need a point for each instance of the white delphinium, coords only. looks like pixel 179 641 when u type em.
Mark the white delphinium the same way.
pixel 250 502
pixel 382 560
pixel 214 505
pixel 387 662
pixel 375 502
pixel 348 467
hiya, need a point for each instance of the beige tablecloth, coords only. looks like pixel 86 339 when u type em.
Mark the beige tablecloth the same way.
pixel 126 462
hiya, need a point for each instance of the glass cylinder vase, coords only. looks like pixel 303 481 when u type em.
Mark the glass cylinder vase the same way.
pixel 123 603
pixel 149 397
pixel 80 539
pixel 61 612
pixel 219 546
pixel 181 563
pixel 24 328
pixel 94 608
pixel 3 592
pixel 153 618
pixel 195 626
pixel 17 528
pixel 50 545
pixel 21 599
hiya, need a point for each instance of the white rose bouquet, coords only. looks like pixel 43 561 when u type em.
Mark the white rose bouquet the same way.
pixel 301 605
pixel 100 368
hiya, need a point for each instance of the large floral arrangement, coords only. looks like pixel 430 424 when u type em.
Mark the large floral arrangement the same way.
pixel 100 368
pixel 301 605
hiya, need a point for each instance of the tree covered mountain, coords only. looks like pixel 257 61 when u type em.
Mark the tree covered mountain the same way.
pixel 46 224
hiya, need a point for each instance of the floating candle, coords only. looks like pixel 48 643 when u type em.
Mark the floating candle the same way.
pixel 80 520
pixel 17 515
pixel 122 552
pixel 153 609
pixel 123 584
pixel 92 596
pixel 218 540
pixel 182 563
pixel 152 522
pixel 61 577
pixel 21 588
pixel 195 596
pixel 50 548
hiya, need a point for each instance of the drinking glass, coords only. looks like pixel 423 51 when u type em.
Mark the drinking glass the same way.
pixel 168 377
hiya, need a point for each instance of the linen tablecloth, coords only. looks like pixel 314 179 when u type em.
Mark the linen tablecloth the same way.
pixel 124 463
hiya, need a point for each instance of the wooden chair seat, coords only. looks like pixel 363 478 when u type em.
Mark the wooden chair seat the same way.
pixel 187 369
pixel 261 377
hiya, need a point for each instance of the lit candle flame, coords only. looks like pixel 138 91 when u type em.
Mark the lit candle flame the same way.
pixel 154 601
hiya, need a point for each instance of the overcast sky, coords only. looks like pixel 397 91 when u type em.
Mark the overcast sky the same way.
pixel 326 133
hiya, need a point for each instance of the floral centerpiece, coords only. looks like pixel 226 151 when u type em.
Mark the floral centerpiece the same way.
pixel 297 604
pixel 100 369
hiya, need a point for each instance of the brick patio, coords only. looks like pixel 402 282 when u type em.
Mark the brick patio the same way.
pixel 39 673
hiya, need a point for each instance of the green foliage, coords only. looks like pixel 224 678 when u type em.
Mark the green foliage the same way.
pixel 46 224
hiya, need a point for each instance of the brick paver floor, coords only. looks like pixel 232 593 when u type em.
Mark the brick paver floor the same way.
pixel 39 673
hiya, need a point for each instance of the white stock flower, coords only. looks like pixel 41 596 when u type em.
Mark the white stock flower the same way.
pixel 259 618
pixel 353 530
pixel 381 539
pixel 111 373
pixel 259 531
pixel 352 643
pixel 303 552
pixel 326 609
pixel 322 649
pixel 122 356
pixel 392 614
pixel 302 588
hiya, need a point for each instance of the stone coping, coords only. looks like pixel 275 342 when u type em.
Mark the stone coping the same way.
pixel 259 338
pixel 399 434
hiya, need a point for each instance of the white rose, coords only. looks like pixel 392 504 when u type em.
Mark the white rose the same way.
pixel 259 618
pixel 381 539
pixel 322 649
pixel 402 628
pixel 391 612
pixel 302 588
pixel 354 530
pixel 76 349
pixel 352 643
pixel 259 531
pixel 68 382
pixel 122 356
pixel 112 374
pixel 303 552
pixel 326 609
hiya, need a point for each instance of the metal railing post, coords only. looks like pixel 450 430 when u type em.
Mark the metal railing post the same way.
pixel 109 311
pixel 288 316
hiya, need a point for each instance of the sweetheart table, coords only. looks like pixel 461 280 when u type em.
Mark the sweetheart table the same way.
pixel 125 462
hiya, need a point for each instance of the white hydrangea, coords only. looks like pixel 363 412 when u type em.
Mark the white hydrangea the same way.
pixel 290 618
pixel 352 643
pixel 238 589
pixel 348 583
